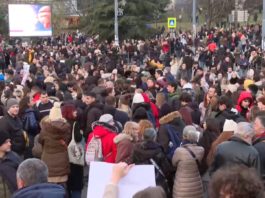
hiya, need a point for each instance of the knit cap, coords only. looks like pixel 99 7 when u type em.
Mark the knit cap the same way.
pixel 150 134
pixel 106 118
pixel 138 98
pixel 11 102
pixel 56 112
pixel 230 125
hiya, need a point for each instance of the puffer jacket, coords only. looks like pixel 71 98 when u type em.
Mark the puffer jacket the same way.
pixel 54 138
pixel 106 133
pixel 187 182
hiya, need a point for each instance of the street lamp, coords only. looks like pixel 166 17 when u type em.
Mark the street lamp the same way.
pixel 194 23
pixel 263 27
pixel 116 25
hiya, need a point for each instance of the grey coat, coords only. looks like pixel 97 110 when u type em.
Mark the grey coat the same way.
pixel 235 151
pixel 187 182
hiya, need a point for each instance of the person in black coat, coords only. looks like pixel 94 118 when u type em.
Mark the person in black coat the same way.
pixel 44 105
pixel 75 182
pixel 209 135
pixel 12 124
pixel 238 150
pixel 259 141
pixel 225 112
pixel 150 152
pixel 9 162
pixel 110 108
pixel 32 180
pixel 173 120
pixel 93 111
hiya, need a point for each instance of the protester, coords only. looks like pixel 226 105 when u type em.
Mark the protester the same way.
pixel 105 130
pixel 236 181
pixel 220 84
pixel 238 150
pixel 187 159
pixel 9 162
pixel 32 181
pixel 259 141
pixel 75 184
pixel 54 137
pixel 44 105
pixel 150 152
pixel 12 124
pixel 126 141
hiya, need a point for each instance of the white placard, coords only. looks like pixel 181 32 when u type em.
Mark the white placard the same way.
pixel 139 178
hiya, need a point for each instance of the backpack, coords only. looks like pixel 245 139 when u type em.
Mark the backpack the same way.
pixel 174 141
pixel 151 117
pixel 94 150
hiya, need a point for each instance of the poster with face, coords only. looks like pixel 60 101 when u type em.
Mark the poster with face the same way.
pixel 29 20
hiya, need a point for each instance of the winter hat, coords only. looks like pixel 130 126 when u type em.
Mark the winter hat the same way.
pixel 229 125
pixel 149 134
pixel 106 118
pixel 3 137
pixel 56 112
pixel 138 98
pixel 11 102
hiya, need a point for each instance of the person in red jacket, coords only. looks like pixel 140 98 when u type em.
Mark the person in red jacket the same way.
pixel 244 103
pixel 105 129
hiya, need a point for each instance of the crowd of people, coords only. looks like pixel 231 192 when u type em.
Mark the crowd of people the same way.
pixel 196 114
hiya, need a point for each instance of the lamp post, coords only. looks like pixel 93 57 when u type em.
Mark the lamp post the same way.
pixel 194 22
pixel 116 25
pixel 263 27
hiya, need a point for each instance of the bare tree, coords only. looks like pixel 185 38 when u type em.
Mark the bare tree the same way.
pixel 216 10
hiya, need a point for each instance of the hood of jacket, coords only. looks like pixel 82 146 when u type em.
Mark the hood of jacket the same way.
pixel 121 137
pixel 41 191
pixel 58 126
pixel 146 150
pixel 243 96
pixel 101 129
pixel 170 117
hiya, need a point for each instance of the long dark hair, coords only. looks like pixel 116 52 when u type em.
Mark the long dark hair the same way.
pixel 212 126
pixel 23 105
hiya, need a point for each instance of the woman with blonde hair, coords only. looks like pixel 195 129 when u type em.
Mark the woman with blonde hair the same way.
pixel 125 142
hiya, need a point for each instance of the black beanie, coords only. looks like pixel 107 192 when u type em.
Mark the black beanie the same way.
pixel 3 137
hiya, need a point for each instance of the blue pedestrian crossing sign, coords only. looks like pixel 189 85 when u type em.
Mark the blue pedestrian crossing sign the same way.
pixel 171 22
